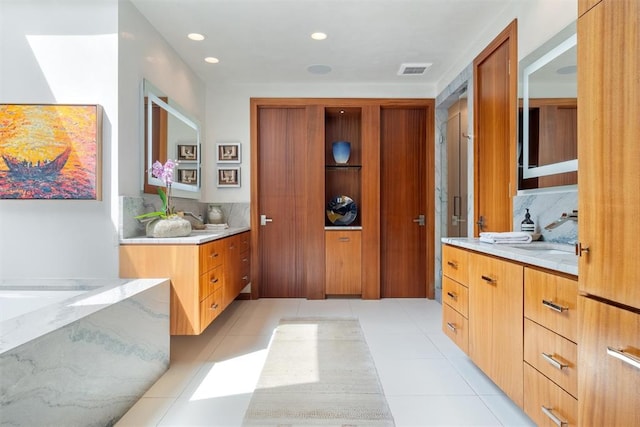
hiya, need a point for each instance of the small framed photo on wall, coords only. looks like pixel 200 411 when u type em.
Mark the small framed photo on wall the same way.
pixel 229 152
pixel 229 177
pixel 188 176
pixel 187 152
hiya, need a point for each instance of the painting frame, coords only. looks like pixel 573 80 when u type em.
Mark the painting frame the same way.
pixel 228 177
pixel 51 151
pixel 187 152
pixel 188 176
pixel 228 152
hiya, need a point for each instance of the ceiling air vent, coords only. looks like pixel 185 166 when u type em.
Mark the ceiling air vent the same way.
pixel 413 69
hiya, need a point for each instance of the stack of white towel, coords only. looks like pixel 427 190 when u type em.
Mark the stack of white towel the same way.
pixel 506 237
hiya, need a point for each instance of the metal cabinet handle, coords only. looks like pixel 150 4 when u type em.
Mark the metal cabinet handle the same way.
pixel 214 280
pixel 553 306
pixel 580 249
pixel 488 279
pixel 214 306
pixel 626 357
pixel 344 239
pixel 213 255
pixel 452 326
pixel 453 296
pixel 553 417
pixel 452 264
pixel 555 363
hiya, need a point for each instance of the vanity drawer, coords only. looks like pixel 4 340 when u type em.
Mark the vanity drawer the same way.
pixel 210 281
pixel 456 295
pixel 545 401
pixel 210 308
pixel 551 300
pixel 211 255
pixel 456 327
pixel 455 263
pixel 551 354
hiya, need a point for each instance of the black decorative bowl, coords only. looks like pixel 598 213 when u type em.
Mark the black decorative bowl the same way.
pixel 342 210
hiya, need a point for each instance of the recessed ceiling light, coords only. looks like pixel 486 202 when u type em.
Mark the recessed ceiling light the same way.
pixel 195 36
pixel 211 60
pixel 318 36
pixel 319 69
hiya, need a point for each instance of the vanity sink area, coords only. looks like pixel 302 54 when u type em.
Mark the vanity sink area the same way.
pixel 546 248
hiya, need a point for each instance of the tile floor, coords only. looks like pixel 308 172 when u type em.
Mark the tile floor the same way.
pixel 427 380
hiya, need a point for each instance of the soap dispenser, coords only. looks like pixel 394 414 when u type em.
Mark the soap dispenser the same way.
pixel 527 224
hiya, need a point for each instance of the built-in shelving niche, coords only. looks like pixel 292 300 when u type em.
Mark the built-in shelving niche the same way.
pixel 343 124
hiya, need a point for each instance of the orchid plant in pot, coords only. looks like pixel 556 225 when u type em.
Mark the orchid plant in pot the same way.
pixel 165 222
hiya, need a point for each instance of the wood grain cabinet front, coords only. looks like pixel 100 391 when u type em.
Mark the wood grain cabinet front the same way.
pixel 496 321
pixel 550 346
pixel 455 296
pixel 204 278
pixel 343 273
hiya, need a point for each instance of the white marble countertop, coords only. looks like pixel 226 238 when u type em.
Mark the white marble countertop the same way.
pixel 554 256
pixel 197 237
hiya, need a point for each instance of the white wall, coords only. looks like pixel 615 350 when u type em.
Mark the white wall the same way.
pixel 51 52
pixel 93 52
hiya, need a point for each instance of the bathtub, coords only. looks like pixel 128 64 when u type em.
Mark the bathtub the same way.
pixel 79 352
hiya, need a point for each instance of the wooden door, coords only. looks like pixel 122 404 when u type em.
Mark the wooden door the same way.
pixel 608 149
pixel 282 137
pixel 495 110
pixel 403 145
pixel 457 169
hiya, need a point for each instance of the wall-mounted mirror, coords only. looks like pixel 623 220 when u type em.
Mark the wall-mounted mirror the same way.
pixel 548 114
pixel 170 134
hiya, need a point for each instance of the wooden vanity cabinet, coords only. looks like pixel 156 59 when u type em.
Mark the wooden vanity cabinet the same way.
pixel 496 321
pixel 455 296
pixel 205 278
pixel 550 347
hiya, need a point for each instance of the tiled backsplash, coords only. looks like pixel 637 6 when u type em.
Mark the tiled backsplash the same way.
pixel 235 214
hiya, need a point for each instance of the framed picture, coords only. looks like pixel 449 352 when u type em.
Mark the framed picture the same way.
pixel 229 152
pixel 187 152
pixel 50 151
pixel 229 177
pixel 188 176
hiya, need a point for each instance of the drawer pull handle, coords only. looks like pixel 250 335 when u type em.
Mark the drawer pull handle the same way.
pixel 213 255
pixel 549 358
pixel 453 296
pixel 452 264
pixel 452 326
pixel 215 280
pixel 553 306
pixel 214 306
pixel 344 239
pixel 553 417
pixel 488 279
pixel 624 356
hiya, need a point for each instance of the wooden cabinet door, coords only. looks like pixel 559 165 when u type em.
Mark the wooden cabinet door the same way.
pixel 495 112
pixel 496 321
pixel 608 149
pixel 282 136
pixel 343 262
pixel 403 145
pixel 608 386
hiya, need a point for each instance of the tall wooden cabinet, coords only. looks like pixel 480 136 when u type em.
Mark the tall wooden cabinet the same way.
pixel 295 176
pixel 609 202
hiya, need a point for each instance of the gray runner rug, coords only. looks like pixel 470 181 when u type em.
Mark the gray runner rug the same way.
pixel 318 372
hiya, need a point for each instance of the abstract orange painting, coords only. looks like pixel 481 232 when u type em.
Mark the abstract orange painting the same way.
pixel 50 151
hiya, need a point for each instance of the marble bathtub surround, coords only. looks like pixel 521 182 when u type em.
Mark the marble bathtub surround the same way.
pixel 87 360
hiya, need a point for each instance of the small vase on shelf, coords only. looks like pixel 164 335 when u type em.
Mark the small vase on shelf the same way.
pixel 341 152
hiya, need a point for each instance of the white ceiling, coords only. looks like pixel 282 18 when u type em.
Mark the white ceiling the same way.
pixel 268 41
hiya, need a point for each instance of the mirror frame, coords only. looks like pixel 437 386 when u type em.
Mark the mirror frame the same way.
pixel 151 95
pixel 554 168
